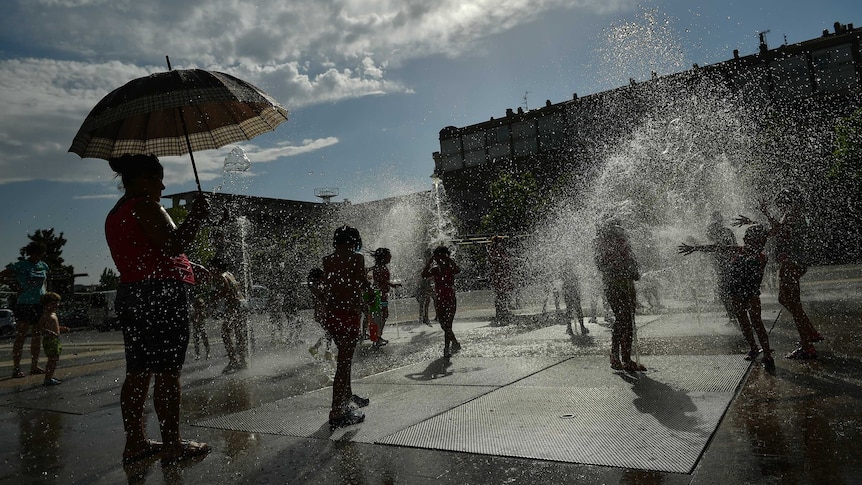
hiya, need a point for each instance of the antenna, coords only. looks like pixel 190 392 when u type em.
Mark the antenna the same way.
pixel 326 193
pixel 526 107
pixel 762 36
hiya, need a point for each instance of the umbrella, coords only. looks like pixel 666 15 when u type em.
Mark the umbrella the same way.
pixel 176 112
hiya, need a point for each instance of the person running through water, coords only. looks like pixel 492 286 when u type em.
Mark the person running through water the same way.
pixel 791 232
pixel 234 326
pixel 744 276
pixel 445 303
pixel 619 269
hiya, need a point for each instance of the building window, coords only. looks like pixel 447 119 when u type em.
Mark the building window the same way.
pixel 524 138
pixel 792 77
pixel 450 146
pixel 474 148
pixel 551 129
pixel 834 69
pixel 498 142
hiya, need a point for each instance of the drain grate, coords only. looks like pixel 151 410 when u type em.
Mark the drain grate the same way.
pixel 646 424
pixel 575 411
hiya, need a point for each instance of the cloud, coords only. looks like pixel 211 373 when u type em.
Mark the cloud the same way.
pixel 303 52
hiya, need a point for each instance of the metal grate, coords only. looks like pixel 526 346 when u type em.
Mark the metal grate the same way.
pixel 576 411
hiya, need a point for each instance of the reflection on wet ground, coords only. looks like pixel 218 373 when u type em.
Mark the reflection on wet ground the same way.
pixel 801 423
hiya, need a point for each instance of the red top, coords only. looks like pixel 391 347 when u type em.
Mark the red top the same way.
pixel 381 277
pixel 444 283
pixel 136 257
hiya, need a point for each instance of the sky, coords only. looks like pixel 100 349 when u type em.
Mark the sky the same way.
pixel 368 84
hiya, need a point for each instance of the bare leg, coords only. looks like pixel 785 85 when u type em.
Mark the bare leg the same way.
pixel 133 395
pixel 18 344
pixel 341 388
pixel 50 367
pixel 759 328
pixel 789 297
pixel 35 347
pixel 227 338
pixel 166 400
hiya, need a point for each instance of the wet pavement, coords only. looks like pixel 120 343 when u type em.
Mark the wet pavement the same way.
pixel 520 404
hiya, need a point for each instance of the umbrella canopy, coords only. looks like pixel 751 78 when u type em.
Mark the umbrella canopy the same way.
pixel 176 112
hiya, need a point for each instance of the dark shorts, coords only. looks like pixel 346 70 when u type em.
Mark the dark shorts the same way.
pixel 343 324
pixel 27 313
pixel 155 319
pixel 51 346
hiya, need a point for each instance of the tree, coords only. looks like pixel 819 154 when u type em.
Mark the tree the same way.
pixel 60 278
pixel 516 205
pixel 109 280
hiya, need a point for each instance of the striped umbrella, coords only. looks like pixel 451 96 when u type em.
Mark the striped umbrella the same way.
pixel 176 112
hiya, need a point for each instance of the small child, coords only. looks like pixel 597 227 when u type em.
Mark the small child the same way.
pixel 745 274
pixel 49 326
pixel 315 286
pixel 382 282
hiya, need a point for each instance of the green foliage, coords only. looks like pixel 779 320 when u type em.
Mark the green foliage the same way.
pixel 848 147
pixel 109 280
pixel 516 205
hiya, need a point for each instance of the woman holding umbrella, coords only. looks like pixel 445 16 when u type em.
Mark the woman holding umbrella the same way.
pixel 153 302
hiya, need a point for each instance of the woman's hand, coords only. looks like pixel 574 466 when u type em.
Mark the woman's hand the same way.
pixel 742 220
pixel 686 249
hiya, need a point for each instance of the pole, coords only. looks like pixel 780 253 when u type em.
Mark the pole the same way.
pixel 186 133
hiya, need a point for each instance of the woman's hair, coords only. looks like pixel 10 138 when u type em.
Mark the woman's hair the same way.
pixel 347 235
pixel 35 248
pixel 380 255
pixel 130 167
pixel 49 297
pixel 314 275
pixel 442 250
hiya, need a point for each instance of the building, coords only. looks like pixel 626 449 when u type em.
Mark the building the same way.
pixel 815 81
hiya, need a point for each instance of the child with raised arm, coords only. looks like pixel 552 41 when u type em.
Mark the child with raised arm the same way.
pixel 791 252
pixel 744 275
pixel 50 328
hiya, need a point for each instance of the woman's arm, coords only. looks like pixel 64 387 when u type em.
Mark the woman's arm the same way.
pixel 426 271
pixel 161 230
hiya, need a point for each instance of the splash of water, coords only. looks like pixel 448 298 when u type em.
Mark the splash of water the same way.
pixel 682 151
pixel 441 231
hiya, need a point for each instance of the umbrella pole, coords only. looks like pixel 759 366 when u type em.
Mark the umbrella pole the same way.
pixel 191 154
pixel 186 132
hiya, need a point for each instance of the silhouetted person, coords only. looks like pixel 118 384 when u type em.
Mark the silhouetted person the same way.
pixel 234 324
pixel 153 301
pixel 30 275
pixel 791 251
pixel 720 235
pixel 443 271
pixel 619 269
pixel 744 276
pixel 381 278
pixel 344 284
pixel 500 267
pixel 572 298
